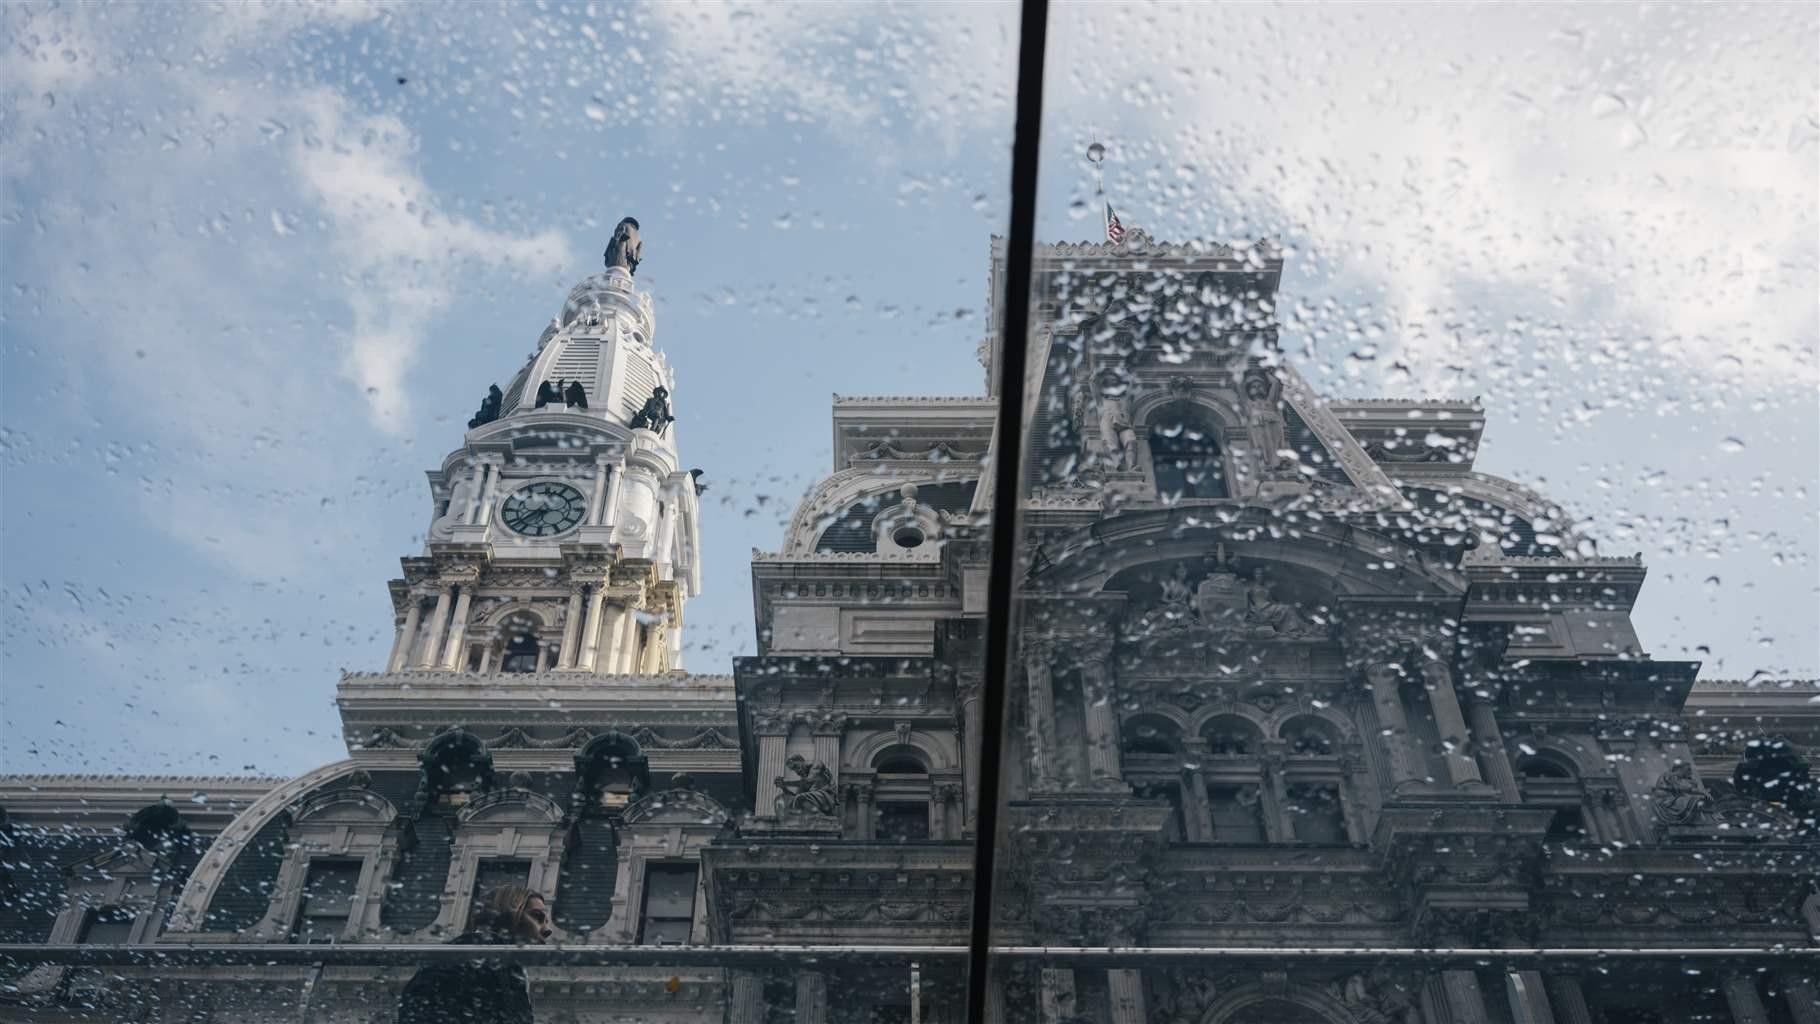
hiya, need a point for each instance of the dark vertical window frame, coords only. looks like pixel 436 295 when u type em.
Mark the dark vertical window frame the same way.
pixel 1014 342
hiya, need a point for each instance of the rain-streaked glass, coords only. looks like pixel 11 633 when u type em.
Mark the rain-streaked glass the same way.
pixel 665 648
pixel 1377 356
pixel 1413 603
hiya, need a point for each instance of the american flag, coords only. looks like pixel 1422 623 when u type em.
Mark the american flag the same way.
pixel 1115 232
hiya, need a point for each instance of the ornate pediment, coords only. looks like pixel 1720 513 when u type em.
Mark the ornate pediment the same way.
pixel 1221 607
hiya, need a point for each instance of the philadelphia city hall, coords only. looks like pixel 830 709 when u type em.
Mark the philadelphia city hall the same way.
pixel 1298 693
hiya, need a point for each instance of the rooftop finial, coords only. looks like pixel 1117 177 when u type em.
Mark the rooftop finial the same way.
pixel 623 249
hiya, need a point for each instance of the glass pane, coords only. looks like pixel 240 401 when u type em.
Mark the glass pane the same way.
pixel 1412 554
pixel 530 446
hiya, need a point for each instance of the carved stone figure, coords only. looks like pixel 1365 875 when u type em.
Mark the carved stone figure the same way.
pixel 624 248
pixel 546 393
pixel 1174 610
pixel 654 415
pixel 1118 431
pixel 1187 999
pixel 1677 799
pixel 489 407
pixel 1265 421
pixel 811 792
pixel 1283 619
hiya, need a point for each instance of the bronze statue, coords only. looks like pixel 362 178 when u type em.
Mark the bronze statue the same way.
pixel 546 393
pixel 811 792
pixel 623 249
pixel 575 396
pixel 655 414
pixel 489 407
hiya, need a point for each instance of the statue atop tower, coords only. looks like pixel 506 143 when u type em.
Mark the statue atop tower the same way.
pixel 624 248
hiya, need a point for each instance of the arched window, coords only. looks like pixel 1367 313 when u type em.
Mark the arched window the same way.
pixel 1231 736
pixel 900 807
pixel 1549 782
pixel 1149 735
pixel 1235 780
pixel 1185 454
pixel 1152 759
pixel 518 645
pixel 1314 791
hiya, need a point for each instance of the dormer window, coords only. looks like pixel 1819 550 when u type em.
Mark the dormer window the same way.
pixel 327 900
pixel 613 771
pixel 907 526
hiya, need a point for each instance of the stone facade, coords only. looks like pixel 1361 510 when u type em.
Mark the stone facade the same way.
pixel 1289 674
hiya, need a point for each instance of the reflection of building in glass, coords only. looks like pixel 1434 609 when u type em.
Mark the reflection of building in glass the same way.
pixel 1290 673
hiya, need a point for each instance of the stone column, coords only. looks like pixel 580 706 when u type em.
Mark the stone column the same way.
pixel 1567 1001
pixel 439 621
pixel 1465 1002
pixel 666 532
pixel 453 658
pixel 868 824
pixel 1057 995
pixel 1126 991
pixel 1274 795
pixel 609 511
pixel 1493 757
pixel 598 502
pixel 1802 996
pixel 1101 718
pixel 471 513
pixel 1197 815
pixel 571 630
pixel 773 737
pixel 827 743
pixel 606 637
pixel 628 640
pixel 811 998
pixel 1528 1002
pixel 1383 680
pixel 947 796
pixel 401 650
pixel 1742 999
pixel 489 478
pixel 967 690
pixel 651 659
pixel 486 659
pixel 1352 800
pixel 589 657
pixel 1041 728
pixel 747 1002
pixel 1462 770
pixel 995 999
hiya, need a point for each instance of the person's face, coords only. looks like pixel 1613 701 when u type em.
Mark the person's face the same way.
pixel 533 924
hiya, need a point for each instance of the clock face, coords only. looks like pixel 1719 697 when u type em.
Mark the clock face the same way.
pixel 544 510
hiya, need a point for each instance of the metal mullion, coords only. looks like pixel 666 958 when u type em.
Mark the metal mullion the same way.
pixel 1020 251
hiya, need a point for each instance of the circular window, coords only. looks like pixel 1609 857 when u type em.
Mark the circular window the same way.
pixel 908 536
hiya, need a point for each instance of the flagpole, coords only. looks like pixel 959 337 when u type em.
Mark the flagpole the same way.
pixel 1095 154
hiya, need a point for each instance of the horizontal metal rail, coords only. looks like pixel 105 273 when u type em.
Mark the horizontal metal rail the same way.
pixel 168 954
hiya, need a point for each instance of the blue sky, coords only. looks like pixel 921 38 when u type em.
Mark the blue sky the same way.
pixel 255 286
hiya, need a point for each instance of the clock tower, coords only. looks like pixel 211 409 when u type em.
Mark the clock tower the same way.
pixel 563 533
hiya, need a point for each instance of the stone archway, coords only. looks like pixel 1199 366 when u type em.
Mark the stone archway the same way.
pixel 1293 1004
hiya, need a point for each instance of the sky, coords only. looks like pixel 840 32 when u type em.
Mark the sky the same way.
pixel 262 261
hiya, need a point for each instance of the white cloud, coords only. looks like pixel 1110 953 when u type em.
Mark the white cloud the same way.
pixel 1620 173
pixel 401 255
